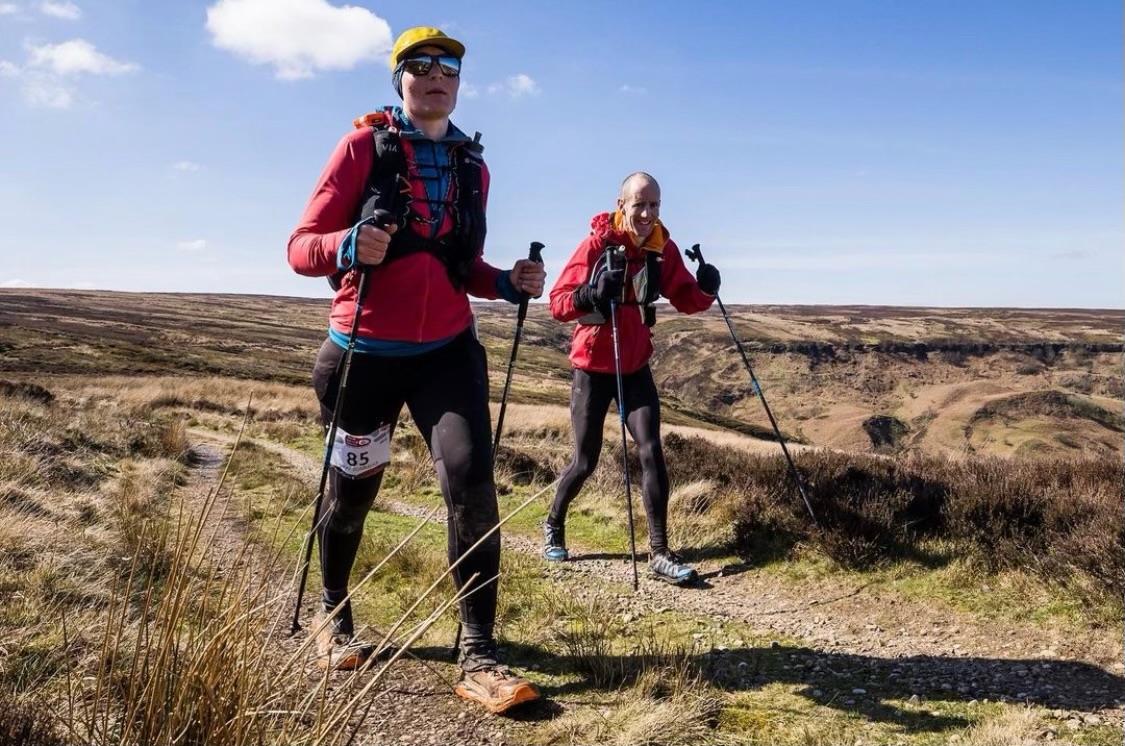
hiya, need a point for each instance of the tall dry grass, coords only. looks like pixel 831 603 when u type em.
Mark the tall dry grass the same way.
pixel 201 657
pixel 131 617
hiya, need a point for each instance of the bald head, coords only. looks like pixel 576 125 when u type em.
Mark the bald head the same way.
pixel 637 180
pixel 639 205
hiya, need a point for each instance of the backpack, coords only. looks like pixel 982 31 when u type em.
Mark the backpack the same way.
pixel 388 188
pixel 646 286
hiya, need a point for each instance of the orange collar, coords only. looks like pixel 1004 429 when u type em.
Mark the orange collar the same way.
pixel 656 239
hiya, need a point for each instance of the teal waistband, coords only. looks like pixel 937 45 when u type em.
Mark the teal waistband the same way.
pixel 387 347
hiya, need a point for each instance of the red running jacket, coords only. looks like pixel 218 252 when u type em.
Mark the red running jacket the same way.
pixel 409 299
pixel 591 346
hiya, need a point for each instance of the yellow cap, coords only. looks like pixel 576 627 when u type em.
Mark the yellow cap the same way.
pixel 421 36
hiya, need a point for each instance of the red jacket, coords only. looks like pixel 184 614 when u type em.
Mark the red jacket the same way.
pixel 408 299
pixel 591 347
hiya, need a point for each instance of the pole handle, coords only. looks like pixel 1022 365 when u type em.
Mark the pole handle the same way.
pixel 615 256
pixel 381 219
pixel 535 254
pixel 695 254
pixel 615 259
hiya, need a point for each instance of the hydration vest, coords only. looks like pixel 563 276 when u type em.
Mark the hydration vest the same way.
pixel 388 188
pixel 645 282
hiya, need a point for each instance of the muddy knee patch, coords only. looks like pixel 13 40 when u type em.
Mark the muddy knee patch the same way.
pixel 473 522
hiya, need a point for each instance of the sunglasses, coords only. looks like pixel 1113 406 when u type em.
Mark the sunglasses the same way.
pixel 420 64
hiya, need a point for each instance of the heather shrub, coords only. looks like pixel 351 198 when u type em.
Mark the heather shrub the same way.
pixel 1059 518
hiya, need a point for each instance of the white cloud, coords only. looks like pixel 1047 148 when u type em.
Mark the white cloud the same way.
pixel 40 89
pixel 522 85
pixel 74 57
pixel 185 166
pixel 468 90
pixel 197 245
pixel 8 9
pixel 16 284
pixel 45 80
pixel 46 91
pixel 515 86
pixel 299 37
pixel 634 89
pixel 65 10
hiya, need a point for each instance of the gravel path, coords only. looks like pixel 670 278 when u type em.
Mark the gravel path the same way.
pixel 855 642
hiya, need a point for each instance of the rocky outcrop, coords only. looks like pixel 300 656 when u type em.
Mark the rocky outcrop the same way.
pixel 885 431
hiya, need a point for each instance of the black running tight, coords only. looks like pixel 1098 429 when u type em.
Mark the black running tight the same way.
pixel 590 397
pixel 446 392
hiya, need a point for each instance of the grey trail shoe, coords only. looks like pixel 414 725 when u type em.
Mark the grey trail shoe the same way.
pixel 670 567
pixel 554 541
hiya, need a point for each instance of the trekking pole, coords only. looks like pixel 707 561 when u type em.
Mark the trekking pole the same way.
pixel 382 219
pixel 613 251
pixel 696 255
pixel 535 255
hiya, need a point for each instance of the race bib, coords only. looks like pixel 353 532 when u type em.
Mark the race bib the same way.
pixel 361 456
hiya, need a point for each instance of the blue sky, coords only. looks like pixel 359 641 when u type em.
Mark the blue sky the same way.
pixel 831 151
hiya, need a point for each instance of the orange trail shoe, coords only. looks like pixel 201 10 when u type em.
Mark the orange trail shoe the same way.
pixel 496 688
pixel 336 645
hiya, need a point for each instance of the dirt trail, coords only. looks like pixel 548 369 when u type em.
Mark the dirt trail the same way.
pixel 852 634
pixel 412 686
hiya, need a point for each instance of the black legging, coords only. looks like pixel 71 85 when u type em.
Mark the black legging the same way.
pixel 590 396
pixel 446 392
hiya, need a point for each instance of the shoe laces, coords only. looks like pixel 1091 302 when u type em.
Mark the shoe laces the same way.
pixel 671 556
pixel 341 625
pixel 499 673
pixel 669 561
pixel 555 535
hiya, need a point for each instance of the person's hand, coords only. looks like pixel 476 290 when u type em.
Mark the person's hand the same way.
pixel 708 278
pixel 528 277
pixel 371 243
pixel 608 286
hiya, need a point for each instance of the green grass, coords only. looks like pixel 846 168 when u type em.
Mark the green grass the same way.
pixel 593 524
pixel 956 585
pixel 646 679
pixel 669 677
pixel 572 638
pixel 596 524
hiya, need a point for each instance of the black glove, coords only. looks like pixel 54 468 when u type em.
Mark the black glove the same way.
pixel 708 278
pixel 607 287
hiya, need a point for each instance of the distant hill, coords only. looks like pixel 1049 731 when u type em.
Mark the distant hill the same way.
pixel 939 380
